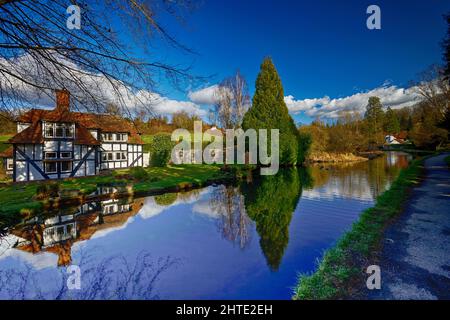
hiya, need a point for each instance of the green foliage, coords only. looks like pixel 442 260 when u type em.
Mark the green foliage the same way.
pixel 160 150
pixel 166 199
pixel 47 190
pixel 139 173
pixel 391 122
pixel 269 111
pixel 270 201
pixel 183 120
pixel 375 119
pixel 304 146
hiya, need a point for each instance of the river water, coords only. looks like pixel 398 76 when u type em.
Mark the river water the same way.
pixel 247 241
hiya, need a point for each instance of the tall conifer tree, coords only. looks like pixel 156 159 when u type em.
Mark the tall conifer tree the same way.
pixel 269 111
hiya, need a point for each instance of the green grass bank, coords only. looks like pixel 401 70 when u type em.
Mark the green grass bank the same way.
pixel 341 272
pixel 19 200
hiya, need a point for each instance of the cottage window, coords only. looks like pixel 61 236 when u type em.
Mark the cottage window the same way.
pixel 69 131
pixel 66 155
pixel 60 230
pixel 10 165
pixel 121 156
pixel 121 137
pixel 49 130
pixel 66 166
pixel 50 167
pixel 59 130
pixel 50 155
pixel 108 137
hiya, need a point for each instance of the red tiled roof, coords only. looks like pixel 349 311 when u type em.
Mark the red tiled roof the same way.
pixel 102 122
pixel 8 153
pixel 84 137
pixel 32 134
pixel 402 135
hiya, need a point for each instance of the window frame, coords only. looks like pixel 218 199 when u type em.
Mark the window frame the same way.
pixel 68 152
pixel 54 126
pixel 66 162
pixel 50 158
pixel 51 163
pixel 9 165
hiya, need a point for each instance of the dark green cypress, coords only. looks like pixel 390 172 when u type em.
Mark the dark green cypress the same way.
pixel 269 111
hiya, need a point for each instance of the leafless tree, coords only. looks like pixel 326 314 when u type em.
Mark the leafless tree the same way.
pixel 111 58
pixel 233 101
pixel 228 203
pixel 434 89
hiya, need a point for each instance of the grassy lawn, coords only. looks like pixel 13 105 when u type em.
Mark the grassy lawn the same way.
pixel 342 268
pixel 3 139
pixel 18 199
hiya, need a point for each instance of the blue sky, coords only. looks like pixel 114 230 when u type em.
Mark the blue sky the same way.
pixel 320 48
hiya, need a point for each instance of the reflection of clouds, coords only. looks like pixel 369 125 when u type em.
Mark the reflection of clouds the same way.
pixel 104 232
pixel 151 209
pixel 39 261
pixel 337 187
pixel 203 207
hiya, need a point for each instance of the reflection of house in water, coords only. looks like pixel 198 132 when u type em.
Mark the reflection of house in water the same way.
pixel 398 159
pixel 58 233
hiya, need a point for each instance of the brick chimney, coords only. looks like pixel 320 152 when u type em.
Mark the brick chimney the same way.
pixel 63 100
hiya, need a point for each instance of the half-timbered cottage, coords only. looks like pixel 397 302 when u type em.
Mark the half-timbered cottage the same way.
pixel 59 143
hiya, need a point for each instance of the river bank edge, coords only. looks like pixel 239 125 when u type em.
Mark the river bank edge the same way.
pixel 341 273
pixel 18 200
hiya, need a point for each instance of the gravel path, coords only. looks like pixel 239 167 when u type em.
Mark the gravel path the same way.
pixel 415 262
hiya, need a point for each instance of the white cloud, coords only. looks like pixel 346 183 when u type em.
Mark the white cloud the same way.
pixel 206 95
pixel 165 105
pixel 326 107
pixel 102 88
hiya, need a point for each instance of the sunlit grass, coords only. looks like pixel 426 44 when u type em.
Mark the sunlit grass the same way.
pixel 19 198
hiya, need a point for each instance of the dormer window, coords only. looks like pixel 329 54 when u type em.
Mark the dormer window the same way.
pixel 119 137
pixel 58 130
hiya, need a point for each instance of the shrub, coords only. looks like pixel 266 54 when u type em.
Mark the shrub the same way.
pixel 166 199
pixel 139 173
pixel 160 150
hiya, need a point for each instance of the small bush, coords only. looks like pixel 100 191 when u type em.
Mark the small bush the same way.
pixel 166 199
pixel 139 173
pixel 160 150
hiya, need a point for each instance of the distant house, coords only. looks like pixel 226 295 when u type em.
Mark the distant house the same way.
pixel 390 139
pixel 8 161
pixel 399 138
pixel 59 143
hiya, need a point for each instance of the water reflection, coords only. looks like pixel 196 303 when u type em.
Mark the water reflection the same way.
pixel 362 180
pixel 227 202
pixel 270 202
pixel 271 227
pixel 57 234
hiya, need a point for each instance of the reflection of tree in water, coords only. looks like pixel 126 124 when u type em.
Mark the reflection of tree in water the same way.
pixel 270 201
pixel 228 203
pixel 166 199
pixel 112 278
pixel 360 179
pixel 189 195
